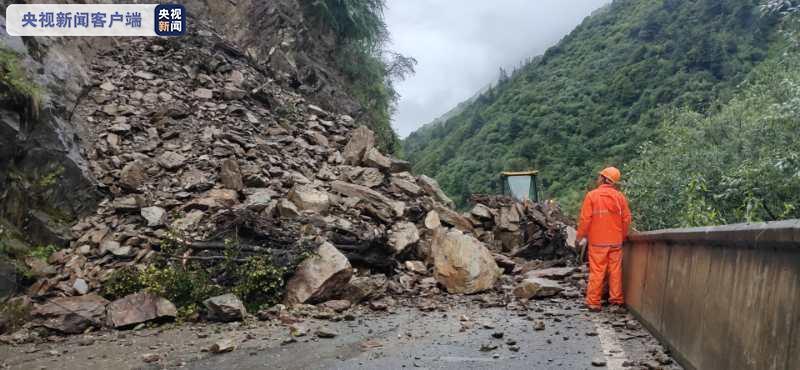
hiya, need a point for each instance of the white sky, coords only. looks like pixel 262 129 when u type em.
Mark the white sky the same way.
pixel 461 44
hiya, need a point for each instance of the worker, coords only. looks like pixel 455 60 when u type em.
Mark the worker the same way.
pixel 603 225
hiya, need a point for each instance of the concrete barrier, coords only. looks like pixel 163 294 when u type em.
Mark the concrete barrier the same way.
pixel 724 297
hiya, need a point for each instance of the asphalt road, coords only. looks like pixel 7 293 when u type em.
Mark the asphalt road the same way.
pixel 572 339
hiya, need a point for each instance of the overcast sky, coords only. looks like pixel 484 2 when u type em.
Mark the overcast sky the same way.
pixel 460 46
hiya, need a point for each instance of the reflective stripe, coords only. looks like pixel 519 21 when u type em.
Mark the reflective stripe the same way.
pixel 606 245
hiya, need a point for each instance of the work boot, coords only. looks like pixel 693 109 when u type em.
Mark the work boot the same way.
pixel 618 309
pixel 595 308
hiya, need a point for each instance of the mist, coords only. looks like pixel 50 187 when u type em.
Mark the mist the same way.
pixel 460 46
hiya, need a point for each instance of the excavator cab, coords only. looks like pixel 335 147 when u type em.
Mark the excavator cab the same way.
pixel 521 185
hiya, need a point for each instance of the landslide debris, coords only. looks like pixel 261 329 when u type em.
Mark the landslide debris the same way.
pixel 217 179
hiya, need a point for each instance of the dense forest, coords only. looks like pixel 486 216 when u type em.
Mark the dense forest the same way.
pixel 598 95
pixel 740 163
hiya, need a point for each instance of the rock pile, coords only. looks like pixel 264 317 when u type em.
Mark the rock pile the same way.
pixel 186 137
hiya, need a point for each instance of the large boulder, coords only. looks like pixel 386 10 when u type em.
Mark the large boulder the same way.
pixel 383 207
pixel 462 264
pixel 319 277
pixel 534 287
pixel 306 198
pixel 402 235
pixel 432 187
pixel 362 140
pixel 226 307
pixel 72 315
pixel 138 308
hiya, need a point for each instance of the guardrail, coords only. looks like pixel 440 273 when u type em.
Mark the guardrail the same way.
pixel 724 297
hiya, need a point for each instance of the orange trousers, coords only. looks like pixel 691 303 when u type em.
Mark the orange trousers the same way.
pixel 604 260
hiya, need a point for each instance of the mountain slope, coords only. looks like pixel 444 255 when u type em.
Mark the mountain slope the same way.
pixel 595 96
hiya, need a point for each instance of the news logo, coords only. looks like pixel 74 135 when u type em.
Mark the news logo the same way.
pixel 96 20
pixel 170 20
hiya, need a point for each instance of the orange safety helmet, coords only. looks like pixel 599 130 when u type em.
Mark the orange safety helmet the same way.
pixel 612 174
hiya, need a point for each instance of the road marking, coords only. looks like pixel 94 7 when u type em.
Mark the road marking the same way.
pixel 612 348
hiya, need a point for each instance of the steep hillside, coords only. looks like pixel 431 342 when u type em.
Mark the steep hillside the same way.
pixel 738 164
pixel 595 96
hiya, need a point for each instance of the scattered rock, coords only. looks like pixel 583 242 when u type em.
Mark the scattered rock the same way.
pixel 306 198
pixel 598 362
pixel 80 286
pixel 533 287
pixel 151 357
pixel 432 220
pixel 402 235
pixel 231 175
pixel 362 139
pixel 155 216
pixel 416 266
pixel 171 160
pixel 226 307
pixel 326 333
pixel 337 305
pixel 222 346
pixel 431 187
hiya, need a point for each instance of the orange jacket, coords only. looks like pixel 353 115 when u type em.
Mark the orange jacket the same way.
pixel 605 217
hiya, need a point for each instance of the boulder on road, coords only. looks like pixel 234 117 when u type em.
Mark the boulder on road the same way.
pixel 534 287
pixel 319 277
pixel 138 308
pixel 462 264
pixel 226 307
pixel 72 315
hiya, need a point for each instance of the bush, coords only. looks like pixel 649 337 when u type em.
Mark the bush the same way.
pixel 260 283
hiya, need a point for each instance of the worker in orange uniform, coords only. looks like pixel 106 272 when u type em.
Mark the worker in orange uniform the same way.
pixel 604 221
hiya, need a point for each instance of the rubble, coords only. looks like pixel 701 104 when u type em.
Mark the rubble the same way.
pixel 237 161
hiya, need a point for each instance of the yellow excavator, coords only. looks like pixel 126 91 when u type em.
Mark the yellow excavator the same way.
pixel 522 185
